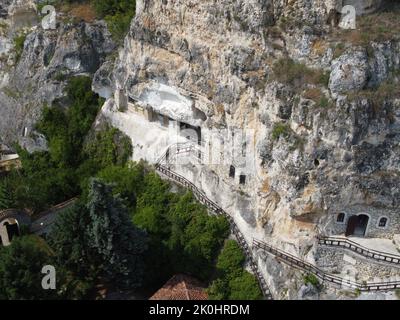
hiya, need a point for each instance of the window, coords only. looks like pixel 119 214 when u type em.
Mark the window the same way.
pixel 244 147
pixel 232 172
pixel 340 217
pixel 382 222
pixel 242 179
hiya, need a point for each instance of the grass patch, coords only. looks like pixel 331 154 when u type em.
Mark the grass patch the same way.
pixel 11 93
pixel 19 41
pixel 297 74
pixel 117 14
pixel 339 50
pixel 378 96
pixel 317 96
pixel 279 130
pixel 378 27
pixel 84 11
pixel 311 279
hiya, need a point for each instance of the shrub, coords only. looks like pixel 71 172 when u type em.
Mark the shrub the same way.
pixel 118 15
pixel 244 287
pixel 20 269
pixel 317 95
pixel 19 42
pixel 280 129
pixel 378 96
pixel 234 282
pixel 230 260
pixel 297 74
pixel 311 279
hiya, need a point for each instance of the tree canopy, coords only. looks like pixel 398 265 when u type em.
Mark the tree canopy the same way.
pixel 233 282
pixel 21 264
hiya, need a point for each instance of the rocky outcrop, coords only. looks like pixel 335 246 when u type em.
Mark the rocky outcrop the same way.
pixel 37 77
pixel 318 141
pixel 318 148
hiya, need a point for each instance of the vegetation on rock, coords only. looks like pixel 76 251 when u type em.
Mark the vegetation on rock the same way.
pixel 233 282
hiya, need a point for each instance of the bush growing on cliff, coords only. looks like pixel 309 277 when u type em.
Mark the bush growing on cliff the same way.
pixel 118 15
pixel 280 129
pixel 108 147
pixel 51 177
pixel 179 227
pixel 19 42
pixel 233 282
pixel 311 279
pixel 297 74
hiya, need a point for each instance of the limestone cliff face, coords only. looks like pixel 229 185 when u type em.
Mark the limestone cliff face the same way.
pixel 211 64
pixel 326 144
pixel 48 58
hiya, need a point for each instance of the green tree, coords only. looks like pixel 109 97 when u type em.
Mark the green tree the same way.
pixel 68 239
pixel 20 269
pixel 230 260
pixel 118 15
pixel 234 282
pixel 245 287
pixel 218 290
pixel 118 244
pixel 6 198
pixel 127 181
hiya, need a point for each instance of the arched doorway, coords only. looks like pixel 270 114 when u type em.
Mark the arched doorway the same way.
pixel 12 230
pixel 8 230
pixel 357 225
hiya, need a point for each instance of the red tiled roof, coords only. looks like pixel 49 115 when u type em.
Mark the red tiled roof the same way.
pixel 181 287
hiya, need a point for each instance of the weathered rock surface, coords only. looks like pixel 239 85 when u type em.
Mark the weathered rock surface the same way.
pixel 210 64
pixel 182 56
pixel 38 77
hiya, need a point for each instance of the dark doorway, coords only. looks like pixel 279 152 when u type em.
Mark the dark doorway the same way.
pixel 340 217
pixel 190 132
pixel 12 230
pixel 232 172
pixel 357 225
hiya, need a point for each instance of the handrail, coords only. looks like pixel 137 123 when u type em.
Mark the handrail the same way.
pixel 283 256
pixel 359 249
pixel 56 207
pixel 4 213
pixel 201 196
pixel 322 275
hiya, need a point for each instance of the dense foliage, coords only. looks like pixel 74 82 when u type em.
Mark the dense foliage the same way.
pixel 106 245
pixel 117 13
pixel 233 282
pixel 52 177
pixel 183 237
pixel 125 210
pixel 20 269
pixel 5 196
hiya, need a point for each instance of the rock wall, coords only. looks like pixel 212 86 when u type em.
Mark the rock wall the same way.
pixel 38 76
pixel 183 58
pixel 212 66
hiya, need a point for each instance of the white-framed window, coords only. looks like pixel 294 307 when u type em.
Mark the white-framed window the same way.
pixel 341 218
pixel 383 222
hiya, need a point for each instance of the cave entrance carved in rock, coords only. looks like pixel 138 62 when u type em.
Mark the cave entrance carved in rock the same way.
pixel 357 225
pixel 8 230
pixel 190 132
